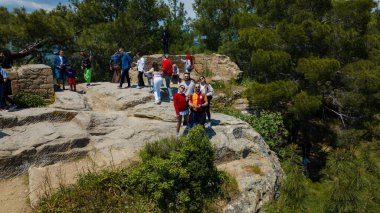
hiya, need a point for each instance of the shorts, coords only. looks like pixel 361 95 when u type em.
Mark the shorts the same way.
pixel 185 112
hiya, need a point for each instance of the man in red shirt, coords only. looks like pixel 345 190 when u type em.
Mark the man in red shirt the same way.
pixel 167 70
pixel 181 107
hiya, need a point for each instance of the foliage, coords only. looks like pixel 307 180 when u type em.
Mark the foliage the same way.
pixel 269 125
pixel 27 100
pixel 174 175
pixel 294 193
pixel 275 95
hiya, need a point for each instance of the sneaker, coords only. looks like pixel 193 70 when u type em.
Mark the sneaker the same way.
pixel 209 125
pixel 177 135
pixel 138 87
pixel 13 107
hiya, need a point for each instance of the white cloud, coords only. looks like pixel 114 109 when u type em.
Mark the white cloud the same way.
pixel 28 4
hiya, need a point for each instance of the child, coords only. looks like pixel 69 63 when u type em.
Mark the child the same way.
pixel 175 76
pixel 72 75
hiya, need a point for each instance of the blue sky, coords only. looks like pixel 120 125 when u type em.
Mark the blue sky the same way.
pixel 31 5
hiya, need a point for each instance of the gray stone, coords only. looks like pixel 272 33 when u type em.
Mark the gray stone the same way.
pixel 108 126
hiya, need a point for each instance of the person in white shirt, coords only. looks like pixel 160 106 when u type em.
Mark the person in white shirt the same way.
pixel 141 69
pixel 209 92
pixel 189 85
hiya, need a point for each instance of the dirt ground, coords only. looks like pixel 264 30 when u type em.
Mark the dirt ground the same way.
pixel 14 195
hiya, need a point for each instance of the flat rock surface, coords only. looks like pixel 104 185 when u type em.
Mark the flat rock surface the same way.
pixel 108 127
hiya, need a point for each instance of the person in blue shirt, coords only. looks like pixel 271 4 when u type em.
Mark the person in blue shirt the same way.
pixel 126 62
pixel 60 62
pixel 115 67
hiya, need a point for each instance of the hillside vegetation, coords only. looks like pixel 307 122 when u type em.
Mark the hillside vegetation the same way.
pixel 311 67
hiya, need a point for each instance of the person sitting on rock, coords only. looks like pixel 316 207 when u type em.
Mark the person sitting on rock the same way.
pixel 60 62
pixel 71 75
pixel 181 107
pixel 209 92
pixel 197 102
pixel 157 82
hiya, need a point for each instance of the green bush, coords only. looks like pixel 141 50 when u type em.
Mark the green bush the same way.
pixel 27 100
pixel 174 176
pixel 269 125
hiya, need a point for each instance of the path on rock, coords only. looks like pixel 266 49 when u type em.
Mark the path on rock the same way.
pixel 104 126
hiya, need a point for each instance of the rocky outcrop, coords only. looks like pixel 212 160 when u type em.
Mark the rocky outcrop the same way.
pixel 109 129
pixel 34 79
pixel 216 67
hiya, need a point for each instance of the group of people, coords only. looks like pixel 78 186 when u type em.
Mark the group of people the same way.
pixel 191 102
pixel 63 70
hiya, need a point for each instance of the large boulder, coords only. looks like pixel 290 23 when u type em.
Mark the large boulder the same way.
pixel 110 132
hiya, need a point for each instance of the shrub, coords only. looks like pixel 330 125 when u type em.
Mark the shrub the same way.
pixel 174 176
pixel 270 126
pixel 27 100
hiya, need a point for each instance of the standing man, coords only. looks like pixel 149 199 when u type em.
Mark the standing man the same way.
pixel 189 85
pixel 165 36
pixel 115 67
pixel 141 68
pixel 60 62
pixel 86 67
pixel 198 102
pixel 167 70
pixel 126 61
pixel 3 79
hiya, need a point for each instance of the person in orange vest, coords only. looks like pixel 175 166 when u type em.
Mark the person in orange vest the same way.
pixel 197 102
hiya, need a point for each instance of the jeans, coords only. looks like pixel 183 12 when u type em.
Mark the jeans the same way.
pixel 140 79
pixel 150 82
pixel 2 94
pixel 165 46
pixel 197 117
pixel 167 84
pixel 157 87
pixel 125 74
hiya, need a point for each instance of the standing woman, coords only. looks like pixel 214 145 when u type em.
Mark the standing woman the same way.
pixel 86 67
pixel 157 82
pixel 181 107
pixel 209 92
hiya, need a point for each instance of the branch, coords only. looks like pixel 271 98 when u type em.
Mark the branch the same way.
pixel 341 115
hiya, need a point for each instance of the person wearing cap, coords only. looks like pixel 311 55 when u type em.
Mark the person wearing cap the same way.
pixel 181 107
pixel 71 75
pixel 126 62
